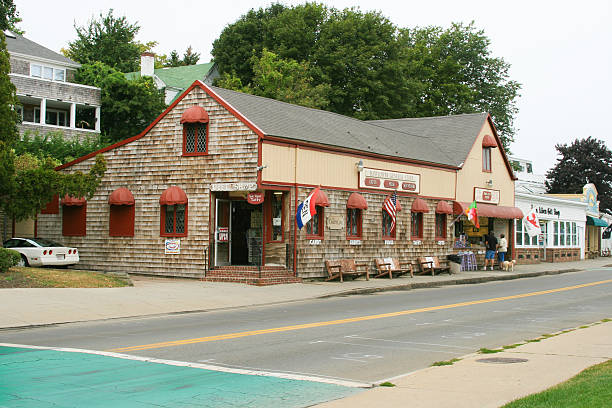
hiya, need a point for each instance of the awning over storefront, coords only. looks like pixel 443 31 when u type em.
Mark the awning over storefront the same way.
pixel 596 221
pixel 443 208
pixel 322 199
pixel 121 196
pixel 173 195
pixel 488 210
pixel 356 200
pixel 419 205
pixel 69 200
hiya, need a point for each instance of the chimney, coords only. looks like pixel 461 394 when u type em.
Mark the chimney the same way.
pixel 147 64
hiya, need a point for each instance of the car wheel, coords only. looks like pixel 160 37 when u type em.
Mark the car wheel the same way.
pixel 23 261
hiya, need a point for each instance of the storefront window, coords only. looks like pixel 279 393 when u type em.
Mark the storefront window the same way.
pixel 574 235
pixel 561 233
pixel 440 225
pixel 519 232
pixel 555 233
pixel 314 227
pixel 386 226
pixel 417 225
pixel 353 222
pixel 275 225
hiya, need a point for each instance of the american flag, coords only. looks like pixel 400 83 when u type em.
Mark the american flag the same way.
pixel 390 206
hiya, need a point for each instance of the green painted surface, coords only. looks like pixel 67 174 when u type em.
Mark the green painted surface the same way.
pixel 48 378
pixel 178 77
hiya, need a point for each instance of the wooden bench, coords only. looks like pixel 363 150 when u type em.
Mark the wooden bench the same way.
pixel 434 265
pixel 391 266
pixel 346 267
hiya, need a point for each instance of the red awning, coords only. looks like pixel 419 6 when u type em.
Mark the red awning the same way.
pixel 69 200
pixel 356 200
pixel 195 114
pixel 488 210
pixel 419 205
pixel 173 195
pixel 443 208
pixel 121 196
pixel 488 141
pixel 321 199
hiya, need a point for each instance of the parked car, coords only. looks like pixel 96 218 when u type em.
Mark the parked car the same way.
pixel 42 252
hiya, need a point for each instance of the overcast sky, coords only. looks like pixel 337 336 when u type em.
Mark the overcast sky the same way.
pixel 560 51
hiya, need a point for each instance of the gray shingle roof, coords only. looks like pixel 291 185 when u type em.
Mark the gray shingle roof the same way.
pixel 22 45
pixel 454 134
pixel 432 140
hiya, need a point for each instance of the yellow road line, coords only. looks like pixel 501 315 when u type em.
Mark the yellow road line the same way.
pixel 349 320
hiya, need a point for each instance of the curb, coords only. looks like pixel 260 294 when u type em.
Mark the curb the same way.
pixel 463 281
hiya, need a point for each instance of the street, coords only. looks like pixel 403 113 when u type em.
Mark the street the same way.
pixel 364 339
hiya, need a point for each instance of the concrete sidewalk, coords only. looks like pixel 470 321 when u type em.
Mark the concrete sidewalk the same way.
pixel 154 296
pixel 472 382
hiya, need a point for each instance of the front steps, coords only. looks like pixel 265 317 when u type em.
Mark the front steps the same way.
pixel 269 275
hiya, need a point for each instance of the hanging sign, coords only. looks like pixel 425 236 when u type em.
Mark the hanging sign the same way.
pixel 390 180
pixel 255 197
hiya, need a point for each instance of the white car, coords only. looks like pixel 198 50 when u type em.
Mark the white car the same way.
pixel 42 252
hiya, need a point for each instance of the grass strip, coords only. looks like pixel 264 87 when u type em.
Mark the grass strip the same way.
pixel 592 388
pixel 25 277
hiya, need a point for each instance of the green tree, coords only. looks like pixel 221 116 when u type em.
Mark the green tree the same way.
pixel 128 106
pixel 28 183
pixel 451 71
pixel 584 161
pixel 173 60
pixel 189 58
pixel 9 17
pixel 374 69
pixel 359 56
pixel 242 40
pixel 8 122
pixel 56 146
pixel 110 40
pixel 281 79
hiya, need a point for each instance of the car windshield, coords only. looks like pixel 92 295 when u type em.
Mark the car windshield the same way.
pixel 43 242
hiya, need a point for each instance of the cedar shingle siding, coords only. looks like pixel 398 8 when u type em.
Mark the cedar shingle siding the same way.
pixel 147 167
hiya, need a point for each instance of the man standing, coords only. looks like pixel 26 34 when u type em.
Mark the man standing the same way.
pixel 502 248
pixel 491 245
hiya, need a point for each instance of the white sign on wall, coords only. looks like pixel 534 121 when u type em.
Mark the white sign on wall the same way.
pixel 173 246
pixel 486 195
pixel 390 180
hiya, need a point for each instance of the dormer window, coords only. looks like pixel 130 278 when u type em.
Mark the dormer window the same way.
pixel 195 131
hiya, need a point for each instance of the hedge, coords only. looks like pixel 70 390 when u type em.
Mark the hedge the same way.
pixel 8 258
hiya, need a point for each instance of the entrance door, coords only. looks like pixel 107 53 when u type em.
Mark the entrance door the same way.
pixel 223 232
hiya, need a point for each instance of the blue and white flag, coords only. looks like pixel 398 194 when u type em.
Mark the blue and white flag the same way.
pixel 307 209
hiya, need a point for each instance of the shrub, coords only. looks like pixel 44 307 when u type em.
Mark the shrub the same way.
pixel 8 258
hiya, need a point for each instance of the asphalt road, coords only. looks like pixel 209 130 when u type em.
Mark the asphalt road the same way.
pixel 386 335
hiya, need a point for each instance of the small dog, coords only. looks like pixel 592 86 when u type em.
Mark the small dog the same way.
pixel 508 266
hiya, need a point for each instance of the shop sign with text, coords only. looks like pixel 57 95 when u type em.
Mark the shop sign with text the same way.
pixel 390 180
pixel 255 197
pixel 485 195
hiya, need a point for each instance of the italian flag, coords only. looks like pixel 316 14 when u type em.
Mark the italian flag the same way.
pixel 472 215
